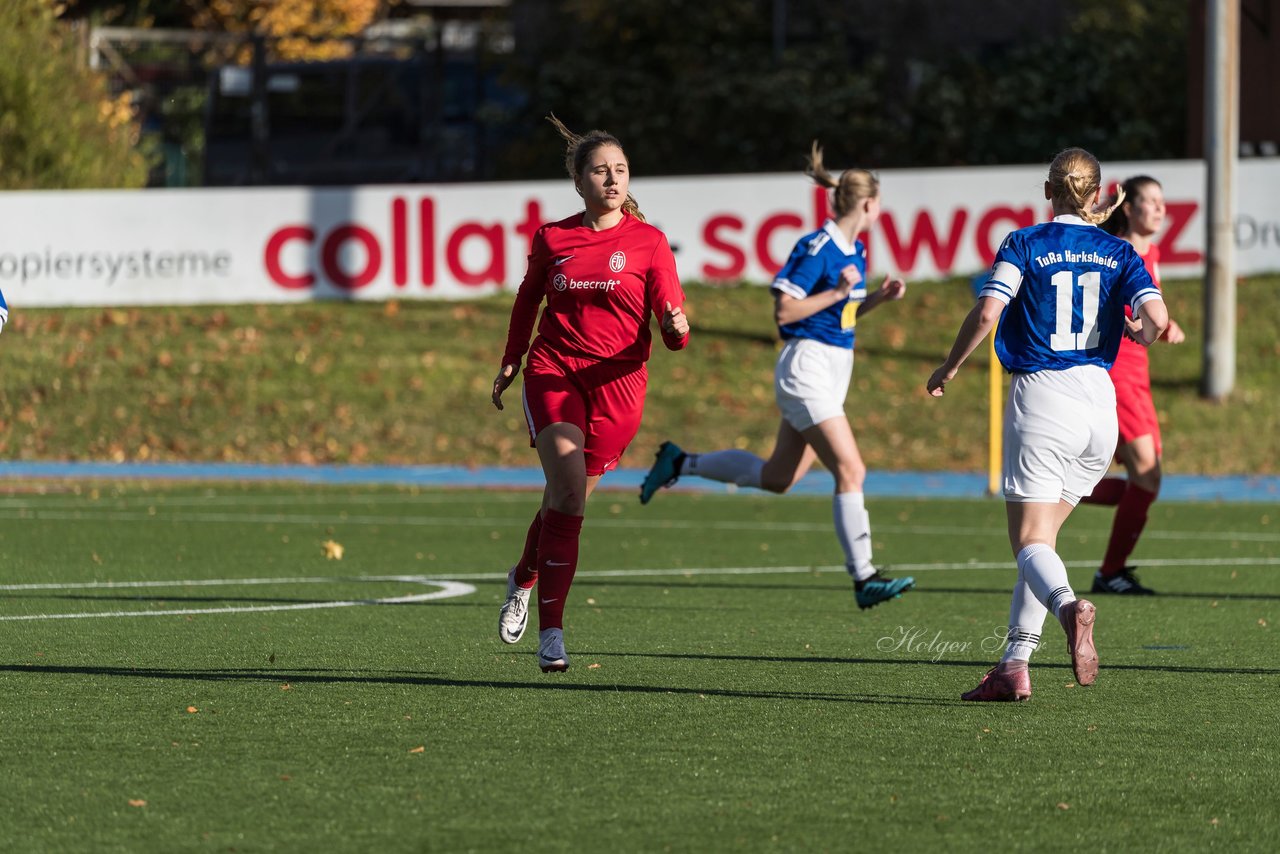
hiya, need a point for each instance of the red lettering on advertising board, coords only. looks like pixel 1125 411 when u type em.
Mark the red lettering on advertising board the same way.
pixel 492 234
pixel 271 256
pixel 712 238
pixel 821 208
pixel 982 235
pixel 399 243
pixel 329 253
pixel 904 256
pixel 532 222
pixel 1177 215
pixel 767 228
pixel 426 240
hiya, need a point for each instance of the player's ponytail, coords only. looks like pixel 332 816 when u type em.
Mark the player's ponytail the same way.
pixel 1074 179
pixel 853 186
pixel 579 147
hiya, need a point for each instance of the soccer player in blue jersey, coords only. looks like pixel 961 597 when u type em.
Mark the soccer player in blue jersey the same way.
pixel 4 312
pixel 1059 291
pixel 819 296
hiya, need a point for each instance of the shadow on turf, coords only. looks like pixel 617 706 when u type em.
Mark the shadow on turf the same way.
pixel 333 677
pixel 818 659
pixel 1104 597
pixel 915 591
pixel 324 676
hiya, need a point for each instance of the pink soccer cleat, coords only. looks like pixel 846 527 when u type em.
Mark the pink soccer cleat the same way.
pixel 1001 685
pixel 1077 621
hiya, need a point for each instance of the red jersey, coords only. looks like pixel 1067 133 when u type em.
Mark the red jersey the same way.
pixel 1132 362
pixel 600 288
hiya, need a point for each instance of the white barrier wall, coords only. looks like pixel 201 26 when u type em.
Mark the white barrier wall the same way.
pixel 167 247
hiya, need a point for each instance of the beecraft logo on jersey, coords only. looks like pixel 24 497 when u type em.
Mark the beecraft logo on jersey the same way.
pixel 291 260
pixel 590 284
pixel 560 282
pixel 617 261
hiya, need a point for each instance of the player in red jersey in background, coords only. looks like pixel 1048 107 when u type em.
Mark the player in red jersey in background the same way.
pixel 1137 221
pixel 602 272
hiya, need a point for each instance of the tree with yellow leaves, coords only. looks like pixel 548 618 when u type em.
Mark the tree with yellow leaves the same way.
pixel 298 29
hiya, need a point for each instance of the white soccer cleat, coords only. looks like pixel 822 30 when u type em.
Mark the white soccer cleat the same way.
pixel 551 655
pixel 514 615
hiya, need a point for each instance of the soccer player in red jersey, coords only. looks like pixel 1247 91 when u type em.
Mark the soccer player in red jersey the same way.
pixel 1137 220
pixel 603 272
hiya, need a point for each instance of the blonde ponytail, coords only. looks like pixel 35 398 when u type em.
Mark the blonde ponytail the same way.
pixel 1074 179
pixel 853 186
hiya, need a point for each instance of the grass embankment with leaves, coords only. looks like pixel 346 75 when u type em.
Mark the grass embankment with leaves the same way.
pixel 409 383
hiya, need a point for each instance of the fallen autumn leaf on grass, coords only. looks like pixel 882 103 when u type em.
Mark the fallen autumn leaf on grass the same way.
pixel 332 550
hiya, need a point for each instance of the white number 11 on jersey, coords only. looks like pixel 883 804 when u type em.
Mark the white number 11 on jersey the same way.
pixel 1064 284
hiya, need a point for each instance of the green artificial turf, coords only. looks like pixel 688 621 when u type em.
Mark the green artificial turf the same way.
pixel 725 692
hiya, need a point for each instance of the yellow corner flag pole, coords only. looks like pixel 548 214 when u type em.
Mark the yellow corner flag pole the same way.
pixel 995 439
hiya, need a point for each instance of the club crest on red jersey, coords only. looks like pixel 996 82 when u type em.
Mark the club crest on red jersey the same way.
pixel 617 261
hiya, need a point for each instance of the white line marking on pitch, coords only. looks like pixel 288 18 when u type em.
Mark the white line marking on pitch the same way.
pixel 523 521
pixel 897 567
pixel 452 587
pixel 448 590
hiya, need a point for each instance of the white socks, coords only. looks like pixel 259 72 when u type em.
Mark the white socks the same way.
pixel 1042 586
pixel 738 467
pixel 1046 575
pixel 743 468
pixel 853 527
pixel 1026 619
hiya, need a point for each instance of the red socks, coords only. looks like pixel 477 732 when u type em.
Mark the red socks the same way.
pixel 1131 518
pixel 527 567
pixel 1108 492
pixel 557 562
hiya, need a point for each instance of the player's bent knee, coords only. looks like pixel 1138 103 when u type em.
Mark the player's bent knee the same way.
pixel 851 478
pixel 1149 480
pixel 775 483
pixel 567 500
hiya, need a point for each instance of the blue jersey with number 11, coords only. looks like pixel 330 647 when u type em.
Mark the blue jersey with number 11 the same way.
pixel 1064 284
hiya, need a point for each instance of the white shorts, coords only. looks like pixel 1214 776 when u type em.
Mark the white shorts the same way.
pixel 1059 434
pixel 811 381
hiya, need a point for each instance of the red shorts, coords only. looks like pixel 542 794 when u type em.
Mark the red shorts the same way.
pixel 602 399
pixel 1136 411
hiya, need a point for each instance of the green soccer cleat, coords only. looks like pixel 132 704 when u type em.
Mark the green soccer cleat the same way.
pixel 664 472
pixel 878 588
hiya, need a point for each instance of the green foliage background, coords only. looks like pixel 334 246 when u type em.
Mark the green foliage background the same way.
pixel 52 130
pixel 713 89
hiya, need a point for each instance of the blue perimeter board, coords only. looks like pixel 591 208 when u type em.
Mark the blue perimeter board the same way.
pixel 882 484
